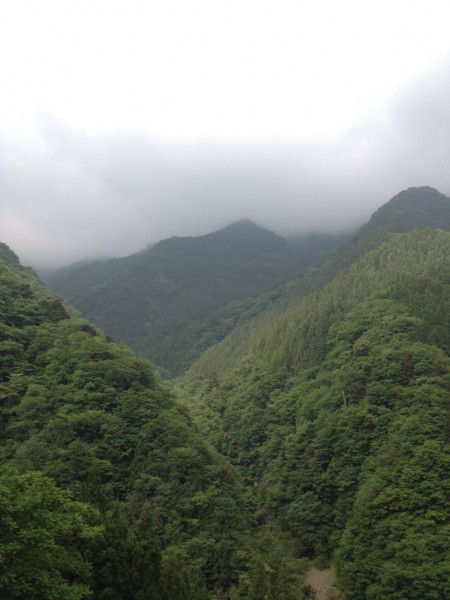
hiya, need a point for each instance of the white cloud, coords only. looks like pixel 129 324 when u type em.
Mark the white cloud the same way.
pixel 125 122
pixel 208 68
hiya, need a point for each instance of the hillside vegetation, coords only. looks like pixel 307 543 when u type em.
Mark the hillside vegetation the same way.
pixel 106 488
pixel 422 207
pixel 339 421
pixel 181 296
pixel 313 439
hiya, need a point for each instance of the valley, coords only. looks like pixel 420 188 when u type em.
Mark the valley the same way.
pixel 294 424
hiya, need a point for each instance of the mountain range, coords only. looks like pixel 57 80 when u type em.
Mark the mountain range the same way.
pixel 171 302
pixel 308 427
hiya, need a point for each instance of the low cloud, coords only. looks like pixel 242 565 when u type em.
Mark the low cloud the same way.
pixel 67 196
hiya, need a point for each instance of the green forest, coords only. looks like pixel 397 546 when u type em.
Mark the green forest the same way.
pixel 308 427
pixel 174 300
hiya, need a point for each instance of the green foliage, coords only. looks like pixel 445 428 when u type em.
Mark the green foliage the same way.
pixel 336 417
pixel 339 421
pixel 413 208
pixel 88 414
pixel 127 563
pixel 183 295
pixel 43 537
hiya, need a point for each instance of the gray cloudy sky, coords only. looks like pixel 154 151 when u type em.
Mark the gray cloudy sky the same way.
pixel 125 122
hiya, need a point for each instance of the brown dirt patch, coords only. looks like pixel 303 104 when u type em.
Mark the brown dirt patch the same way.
pixel 323 581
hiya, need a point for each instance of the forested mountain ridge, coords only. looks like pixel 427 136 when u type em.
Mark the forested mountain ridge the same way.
pixel 339 421
pixel 325 437
pixel 171 302
pixel 413 208
pixel 421 207
pixel 106 488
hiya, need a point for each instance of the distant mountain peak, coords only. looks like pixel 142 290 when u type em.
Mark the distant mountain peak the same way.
pixel 423 193
pixel 415 207
pixel 242 227
pixel 412 195
pixel 170 303
pixel 243 223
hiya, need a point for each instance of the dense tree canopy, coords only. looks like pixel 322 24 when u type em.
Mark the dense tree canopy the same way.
pixel 182 295
pixel 44 541
pixel 339 421
pixel 318 432
pixel 89 415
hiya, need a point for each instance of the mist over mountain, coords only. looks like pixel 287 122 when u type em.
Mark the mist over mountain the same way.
pixel 313 433
pixel 406 211
pixel 242 391
pixel 175 299
pixel 69 195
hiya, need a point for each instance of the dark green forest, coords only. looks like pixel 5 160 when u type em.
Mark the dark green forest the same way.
pixel 339 421
pixel 315 433
pixel 172 301
pixel 107 487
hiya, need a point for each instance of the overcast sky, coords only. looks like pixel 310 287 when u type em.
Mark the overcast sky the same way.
pixel 124 122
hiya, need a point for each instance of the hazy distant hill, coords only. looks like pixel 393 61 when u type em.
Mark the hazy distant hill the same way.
pixel 72 280
pixel 168 303
pixel 413 208
pixel 310 248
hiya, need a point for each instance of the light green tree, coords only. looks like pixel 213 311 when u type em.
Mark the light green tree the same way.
pixel 44 534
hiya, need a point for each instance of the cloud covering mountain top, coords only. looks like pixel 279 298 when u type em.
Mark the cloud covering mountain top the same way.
pixel 131 123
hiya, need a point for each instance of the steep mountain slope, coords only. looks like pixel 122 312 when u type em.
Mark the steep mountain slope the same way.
pixel 105 484
pixel 170 302
pixel 339 421
pixel 333 410
pixel 412 208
